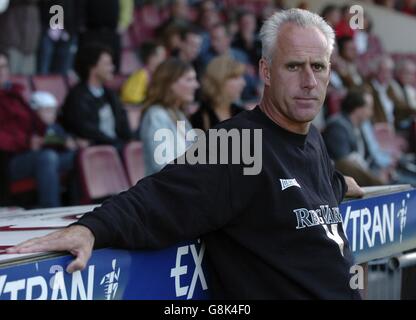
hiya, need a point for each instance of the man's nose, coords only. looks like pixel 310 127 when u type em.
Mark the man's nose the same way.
pixel 308 78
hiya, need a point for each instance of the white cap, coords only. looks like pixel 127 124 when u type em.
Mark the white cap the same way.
pixel 43 99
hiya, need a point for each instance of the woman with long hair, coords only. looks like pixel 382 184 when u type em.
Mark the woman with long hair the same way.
pixel 222 85
pixel 172 87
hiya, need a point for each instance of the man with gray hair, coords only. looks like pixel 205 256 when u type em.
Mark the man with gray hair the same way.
pixel 404 92
pixel 275 235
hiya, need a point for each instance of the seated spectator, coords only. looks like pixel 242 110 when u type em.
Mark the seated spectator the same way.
pixel 91 111
pixel 389 105
pixel 404 92
pixel 347 67
pixel 247 39
pixel 345 143
pixel 368 46
pixel 46 107
pixel 56 47
pixel 222 85
pixel 190 46
pixel 22 143
pixel 220 45
pixel 337 68
pixel 343 28
pixel 134 89
pixel 102 23
pixel 172 87
pixel 331 14
pixel 20 32
pixel 382 73
pixel 208 17
pixel 179 17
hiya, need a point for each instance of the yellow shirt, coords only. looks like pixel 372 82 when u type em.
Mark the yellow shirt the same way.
pixel 134 89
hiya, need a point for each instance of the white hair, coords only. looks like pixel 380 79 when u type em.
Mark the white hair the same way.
pixel 270 30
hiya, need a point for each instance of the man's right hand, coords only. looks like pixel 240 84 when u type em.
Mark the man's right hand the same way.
pixel 77 239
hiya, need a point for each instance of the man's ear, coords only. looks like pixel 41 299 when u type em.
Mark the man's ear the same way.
pixel 264 71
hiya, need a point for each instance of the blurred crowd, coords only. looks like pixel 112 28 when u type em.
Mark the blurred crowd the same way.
pixel 129 68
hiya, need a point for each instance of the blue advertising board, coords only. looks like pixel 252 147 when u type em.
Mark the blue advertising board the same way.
pixel 375 227
pixel 173 273
pixel 380 226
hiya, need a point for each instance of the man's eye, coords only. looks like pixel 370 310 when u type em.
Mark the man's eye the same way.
pixel 292 67
pixel 318 67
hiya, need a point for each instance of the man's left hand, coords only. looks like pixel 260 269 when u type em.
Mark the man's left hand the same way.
pixel 354 190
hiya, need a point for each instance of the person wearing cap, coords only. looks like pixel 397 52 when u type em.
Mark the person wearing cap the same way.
pixel 46 107
pixel 22 149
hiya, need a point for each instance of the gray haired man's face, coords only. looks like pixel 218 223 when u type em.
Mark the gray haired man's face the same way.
pixel 299 73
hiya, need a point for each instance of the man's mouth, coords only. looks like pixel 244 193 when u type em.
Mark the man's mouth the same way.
pixel 306 98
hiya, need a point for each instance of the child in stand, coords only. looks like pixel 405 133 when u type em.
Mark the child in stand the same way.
pixel 46 107
pixel 56 138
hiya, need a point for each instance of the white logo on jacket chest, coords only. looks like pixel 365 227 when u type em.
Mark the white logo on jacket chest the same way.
pixel 287 183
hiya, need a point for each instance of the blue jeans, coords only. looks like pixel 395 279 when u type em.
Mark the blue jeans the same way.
pixel 45 166
pixel 55 56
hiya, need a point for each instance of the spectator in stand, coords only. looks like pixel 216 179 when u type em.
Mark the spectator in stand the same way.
pixel 221 45
pixel 247 39
pixel 169 32
pixel 20 33
pixel 407 6
pixel 345 142
pixel 46 107
pixel 332 15
pixel 382 73
pixel 389 108
pixel 134 89
pixel 172 87
pixel 57 46
pixel 101 23
pixel 22 148
pixel 387 111
pixel 222 85
pixel 190 46
pixel 368 46
pixel 404 92
pixel 347 67
pixel 91 111
pixel 179 15
pixel 343 29
pixel 208 17
pixel 126 16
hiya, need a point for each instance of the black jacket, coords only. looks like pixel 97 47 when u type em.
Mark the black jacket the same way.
pixel 275 235
pixel 80 115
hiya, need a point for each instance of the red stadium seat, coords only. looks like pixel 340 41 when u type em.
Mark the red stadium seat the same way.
pixel 133 161
pixel 102 173
pixel 54 84
pixel 25 82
